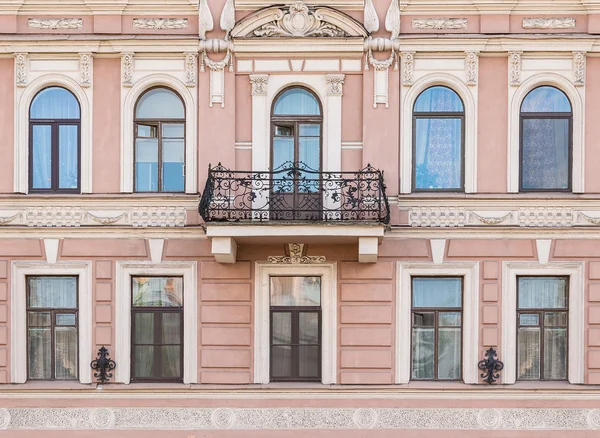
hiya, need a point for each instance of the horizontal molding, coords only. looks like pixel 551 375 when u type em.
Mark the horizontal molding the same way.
pixel 352 145
pixel 243 145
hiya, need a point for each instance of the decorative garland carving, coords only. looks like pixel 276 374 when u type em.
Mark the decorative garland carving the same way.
pixel 259 84
pixel 590 219
pixel 579 69
pixel 55 23
pixel 160 23
pixel 107 220
pixel 296 250
pixel 514 59
pixel 549 23
pixel 334 84
pixel 471 64
pixel 439 23
pixel 127 69
pixel 491 220
pixel 8 219
pixel 21 69
pixel 85 69
pixel 191 65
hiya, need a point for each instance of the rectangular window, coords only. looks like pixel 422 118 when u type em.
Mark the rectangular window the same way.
pixel 437 328
pixel 542 322
pixel 295 328
pixel 52 338
pixel 157 329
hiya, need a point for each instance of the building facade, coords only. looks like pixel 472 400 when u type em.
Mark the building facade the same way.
pixel 324 218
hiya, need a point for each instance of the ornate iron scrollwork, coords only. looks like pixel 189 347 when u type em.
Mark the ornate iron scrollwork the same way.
pixel 294 192
pixel 103 366
pixel 491 365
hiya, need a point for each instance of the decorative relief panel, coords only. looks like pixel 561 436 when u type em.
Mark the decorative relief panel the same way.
pixel 21 69
pixel 514 62
pixel 579 69
pixel 127 69
pixel 85 69
pixel 471 66
pixel 408 66
pixel 160 23
pixel 335 84
pixel 182 418
pixel 548 23
pixel 439 23
pixel 55 23
pixel 296 256
pixel 437 217
pixel 259 84
pixel 191 67
pixel 545 217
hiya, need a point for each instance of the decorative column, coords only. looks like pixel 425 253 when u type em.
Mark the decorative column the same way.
pixel 260 131
pixel 333 157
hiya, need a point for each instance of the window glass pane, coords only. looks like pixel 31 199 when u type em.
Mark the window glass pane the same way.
pixel 171 361
pixel 68 156
pixel 147 131
pixel 146 165
pixel 546 100
pixel 449 363
pixel 39 319
pixel 283 151
pixel 53 292
pixel 144 361
pixel 422 353
pixel 282 328
pixel 555 319
pixel 308 327
pixel 542 292
pixel 172 171
pixel 284 131
pixel 555 353
pixel 42 156
pixel 65 319
pixel 449 319
pixel 297 101
pixel 157 291
pixel 54 103
pixel 437 292
pixel 65 354
pixel 529 319
pixel 438 99
pixel 438 153
pixel 144 328
pixel 309 361
pixel 39 353
pixel 173 130
pixel 171 328
pixel 310 130
pixel 281 361
pixel 295 291
pixel 309 153
pixel 160 103
pixel 423 319
pixel 528 353
pixel 545 153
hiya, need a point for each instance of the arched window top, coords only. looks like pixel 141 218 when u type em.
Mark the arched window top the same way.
pixel 55 103
pixel 439 99
pixel 160 103
pixel 546 99
pixel 297 102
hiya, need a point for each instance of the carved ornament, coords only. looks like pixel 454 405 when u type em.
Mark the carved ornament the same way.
pixel 392 20
pixel 334 84
pixel 127 69
pixel 514 59
pixel 549 23
pixel 205 20
pixel 21 69
pixel 55 23
pixel 408 59
pixel 439 23
pixel 579 69
pixel 259 84
pixel 160 23
pixel 296 256
pixel 491 220
pixel 471 64
pixel 371 20
pixel 85 69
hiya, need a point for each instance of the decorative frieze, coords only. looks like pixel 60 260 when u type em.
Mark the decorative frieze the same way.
pixel 191 67
pixel 579 69
pixel 514 64
pixel 335 84
pixel 21 69
pixel 158 217
pixel 439 23
pixel 160 23
pixel 85 69
pixel 295 418
pixel 437 217
pixel 296 256
pixel 471 67
pixel 259 84
pixel 545 217
pixel 127 69
pixel 549 23
pixel 55 23
pixel 408 66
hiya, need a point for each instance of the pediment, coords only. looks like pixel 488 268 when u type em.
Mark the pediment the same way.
pixel 298 20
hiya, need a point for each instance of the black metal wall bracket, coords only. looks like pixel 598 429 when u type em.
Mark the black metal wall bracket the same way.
pixel 491 365
pixel 103 366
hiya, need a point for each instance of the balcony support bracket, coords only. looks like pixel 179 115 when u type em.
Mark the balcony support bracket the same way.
pixel 224 249
pixel 368 248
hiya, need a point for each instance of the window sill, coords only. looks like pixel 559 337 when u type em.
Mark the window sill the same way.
pixel 49 385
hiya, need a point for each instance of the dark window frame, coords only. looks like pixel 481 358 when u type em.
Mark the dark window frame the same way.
pixel 540 311
pixel 54 148
pixel 294 312
pixel 438 115
pixel 158 123
pixel 436 311
pixel 157 311
pixel 550 116
pixel 53 312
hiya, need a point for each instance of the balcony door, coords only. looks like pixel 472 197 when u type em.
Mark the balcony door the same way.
pixel 296 156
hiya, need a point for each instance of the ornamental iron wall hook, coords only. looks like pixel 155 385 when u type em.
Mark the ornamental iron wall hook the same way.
pixel 491 365
pixel 103 365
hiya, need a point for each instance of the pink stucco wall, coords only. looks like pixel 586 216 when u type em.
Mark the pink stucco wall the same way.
pixel 7 145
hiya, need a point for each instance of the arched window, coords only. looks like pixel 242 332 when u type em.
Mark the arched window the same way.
pixel 159 154
pixel 54 142
pixel 546 139
pixel 438 141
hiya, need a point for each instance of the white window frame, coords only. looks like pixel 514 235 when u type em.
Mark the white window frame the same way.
pixel 468 94
pixel 470 324
pixel 574 270
pixel 124 272
pixel 262 326
pixel 19 271
pixel 129 98
pixel 23 101
pixel 576 97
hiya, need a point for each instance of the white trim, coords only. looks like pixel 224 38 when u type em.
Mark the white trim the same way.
pixel 18 339
pixel 125 270
pixel 328 273
pixel 332 120
pixel 470 273
pixel 23 98
pixel 469 98
pixel 576 97
pixel 129 97
pixel 510 271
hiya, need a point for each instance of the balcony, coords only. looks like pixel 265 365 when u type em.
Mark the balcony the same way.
pixel 291 202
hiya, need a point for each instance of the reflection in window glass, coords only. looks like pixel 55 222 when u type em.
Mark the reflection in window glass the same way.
pixel 297 101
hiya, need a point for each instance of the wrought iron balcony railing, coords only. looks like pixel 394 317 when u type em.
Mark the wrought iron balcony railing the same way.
pixel 294 192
